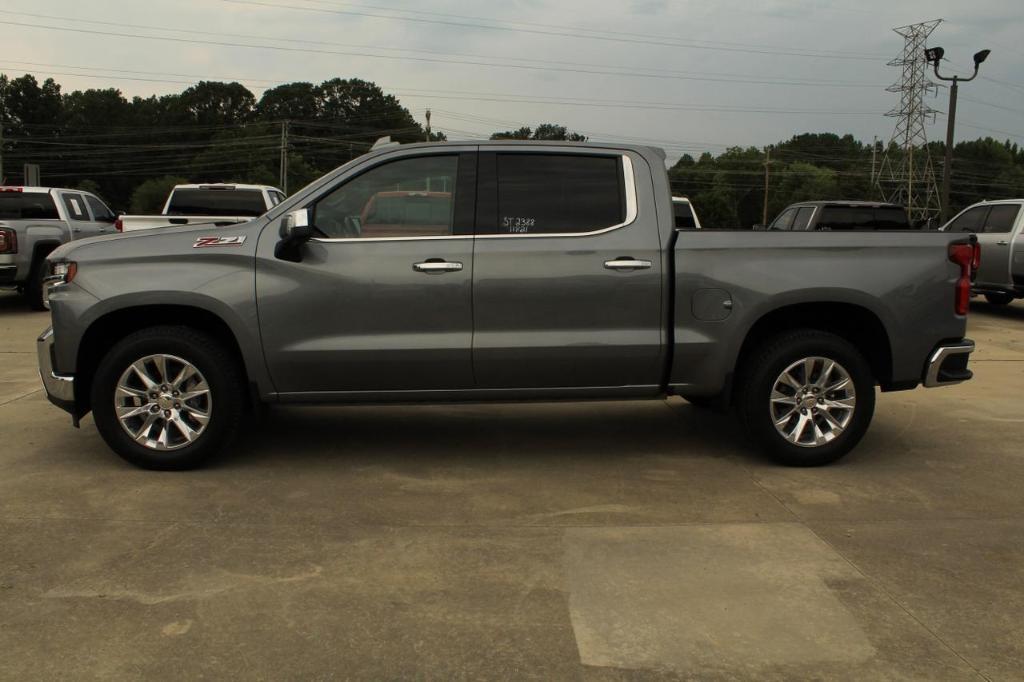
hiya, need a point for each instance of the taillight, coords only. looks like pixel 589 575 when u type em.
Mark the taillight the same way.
pixel 119 225
pixel 8 241
pixel 968 257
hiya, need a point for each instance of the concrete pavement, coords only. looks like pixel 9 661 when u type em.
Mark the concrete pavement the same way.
pixel 596 541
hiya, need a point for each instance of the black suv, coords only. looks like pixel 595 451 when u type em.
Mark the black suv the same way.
pixel 841 215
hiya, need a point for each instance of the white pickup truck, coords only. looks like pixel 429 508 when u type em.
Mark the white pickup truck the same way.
pixel 219 203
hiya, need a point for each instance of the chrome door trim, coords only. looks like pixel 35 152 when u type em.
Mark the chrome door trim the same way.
pixel 629 180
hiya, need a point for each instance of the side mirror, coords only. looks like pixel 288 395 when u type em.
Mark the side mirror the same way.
pixel 296 230
pixel 759 227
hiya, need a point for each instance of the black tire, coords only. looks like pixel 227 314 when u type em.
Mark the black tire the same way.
pixel 766 364
pixel 223 375
pixel 999 299
pixel 34 285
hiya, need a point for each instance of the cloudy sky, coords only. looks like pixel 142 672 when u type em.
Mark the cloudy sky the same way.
pixel 687 75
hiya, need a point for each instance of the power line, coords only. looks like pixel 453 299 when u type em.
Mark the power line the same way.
pixel 562 34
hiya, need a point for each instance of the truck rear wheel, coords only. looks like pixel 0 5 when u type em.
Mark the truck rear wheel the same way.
pixel 806 397
pixel 168 398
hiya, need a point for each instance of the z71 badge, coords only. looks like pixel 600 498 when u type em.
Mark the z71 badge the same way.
pixel 205 242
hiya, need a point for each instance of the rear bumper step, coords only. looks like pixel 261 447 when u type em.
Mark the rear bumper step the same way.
pixel 947 364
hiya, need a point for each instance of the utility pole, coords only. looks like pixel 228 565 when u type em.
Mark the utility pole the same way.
pixel 934 56
pixel 284 157
pixel 874 150
pixel 428 125
pixel 767 162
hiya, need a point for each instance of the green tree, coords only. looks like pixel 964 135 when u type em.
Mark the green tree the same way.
pixel 150 196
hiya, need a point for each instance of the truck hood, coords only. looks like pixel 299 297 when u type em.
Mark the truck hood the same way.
pixel 178 240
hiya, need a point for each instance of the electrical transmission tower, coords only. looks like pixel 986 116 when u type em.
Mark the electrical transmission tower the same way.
pixel 906 176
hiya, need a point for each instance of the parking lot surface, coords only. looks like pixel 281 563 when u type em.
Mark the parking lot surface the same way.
pixel 595 541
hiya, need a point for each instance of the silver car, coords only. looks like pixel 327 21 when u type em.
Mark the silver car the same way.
pixel 1000 229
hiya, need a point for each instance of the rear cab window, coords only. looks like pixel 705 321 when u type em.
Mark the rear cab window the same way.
pixel 217 202
pixel 551 193
pixel 18 205
pixel 683 216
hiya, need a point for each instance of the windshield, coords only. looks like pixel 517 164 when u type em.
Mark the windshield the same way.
pixel 217 202
pixel 27 206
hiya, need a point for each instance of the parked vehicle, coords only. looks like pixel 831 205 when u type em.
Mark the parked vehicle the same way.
pixel 558 274
pixel 1000 229
pixel 36 220
pixel 220 204
pixel 686 216
pixel 810 216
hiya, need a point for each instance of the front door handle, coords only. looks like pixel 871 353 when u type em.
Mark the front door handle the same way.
pixel 1003 242
pixel 626 263
pixel 436 266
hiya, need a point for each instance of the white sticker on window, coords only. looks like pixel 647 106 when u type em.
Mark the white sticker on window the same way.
pixel 76 207
pixel 518 225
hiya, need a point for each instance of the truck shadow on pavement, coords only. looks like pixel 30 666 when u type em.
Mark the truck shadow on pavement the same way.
pixel 473 433
pixel 1013 311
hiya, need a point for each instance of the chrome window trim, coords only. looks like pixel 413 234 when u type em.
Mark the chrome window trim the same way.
pixel 628 178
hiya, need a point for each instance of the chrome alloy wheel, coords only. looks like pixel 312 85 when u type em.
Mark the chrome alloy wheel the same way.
pixel 163 402
pixel 812 402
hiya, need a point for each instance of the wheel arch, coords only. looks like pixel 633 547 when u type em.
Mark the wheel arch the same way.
pixel 108 329
pixel 855 323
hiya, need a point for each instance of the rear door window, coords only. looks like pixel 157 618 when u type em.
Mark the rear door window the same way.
pixel 75 206
pixel 1002 218
pixel 27 206
pixel 558 193
pixel 970 221
pixel 217 202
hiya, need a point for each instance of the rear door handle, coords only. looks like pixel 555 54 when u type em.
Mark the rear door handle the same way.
pixel 436 266
pixel 1003 243
pixel 626 263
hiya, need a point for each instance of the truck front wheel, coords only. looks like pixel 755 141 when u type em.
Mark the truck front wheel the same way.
pixel 168 397
pixel 806 397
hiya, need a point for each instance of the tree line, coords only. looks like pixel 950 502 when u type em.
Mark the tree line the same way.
pixel 131 150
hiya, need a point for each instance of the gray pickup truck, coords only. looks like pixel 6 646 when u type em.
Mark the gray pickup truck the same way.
pixel 497 271
pixel 36 220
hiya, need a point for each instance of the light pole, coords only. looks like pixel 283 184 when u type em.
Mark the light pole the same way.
pixel 934 56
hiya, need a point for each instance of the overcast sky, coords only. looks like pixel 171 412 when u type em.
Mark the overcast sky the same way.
pixel 574 62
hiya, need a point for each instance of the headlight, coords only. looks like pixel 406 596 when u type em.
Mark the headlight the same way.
pixel 61 273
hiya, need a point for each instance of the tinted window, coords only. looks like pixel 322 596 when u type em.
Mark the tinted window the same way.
pixel 784 221
pixel 27 206
pixel 803 217
pixel 275 198
pixel 891 218
pixel 75 205
pixel 407 198
pixel 99 210
pixel 846 218
pixel 1001 218
pixel 971 221
pixel 684 216
pixel 551 193
pixel 217 202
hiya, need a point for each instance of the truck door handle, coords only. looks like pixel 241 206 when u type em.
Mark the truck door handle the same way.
pixel 626 263
pixel 436 266
pixel 1003 242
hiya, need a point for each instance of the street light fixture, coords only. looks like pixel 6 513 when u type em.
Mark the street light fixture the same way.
pixel 934 55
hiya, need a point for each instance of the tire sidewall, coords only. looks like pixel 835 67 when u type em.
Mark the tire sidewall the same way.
pixel 755 401
pixel 199 350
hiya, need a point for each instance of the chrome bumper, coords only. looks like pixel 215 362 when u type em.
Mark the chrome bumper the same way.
pixel 947 364
pixel 60 389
